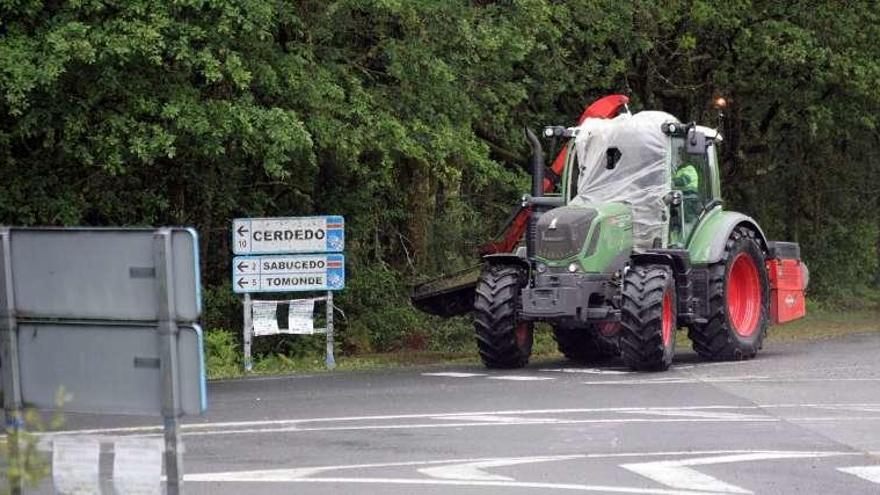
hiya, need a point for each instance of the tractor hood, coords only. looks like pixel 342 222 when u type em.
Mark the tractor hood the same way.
pixel 623 160
pixel 561 232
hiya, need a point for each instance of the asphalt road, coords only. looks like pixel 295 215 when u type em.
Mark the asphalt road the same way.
pixel 801 418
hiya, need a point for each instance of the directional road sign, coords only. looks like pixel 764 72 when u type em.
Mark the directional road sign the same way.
pixel 288 235
pixel 107 368
pixel 288 273
pixel 105 273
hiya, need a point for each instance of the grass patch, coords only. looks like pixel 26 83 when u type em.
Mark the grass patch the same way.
pixel 819 325
pixel 224 354
pixel 224 358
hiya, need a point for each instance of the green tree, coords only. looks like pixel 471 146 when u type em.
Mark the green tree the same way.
pixel 406 117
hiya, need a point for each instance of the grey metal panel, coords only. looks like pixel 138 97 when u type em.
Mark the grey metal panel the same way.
pixel 106 369
pixel 100 274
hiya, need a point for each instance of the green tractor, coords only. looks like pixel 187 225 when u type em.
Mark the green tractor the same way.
pixel 636 245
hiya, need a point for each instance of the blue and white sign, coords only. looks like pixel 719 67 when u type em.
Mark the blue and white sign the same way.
pixel 288 273
pixel 325 234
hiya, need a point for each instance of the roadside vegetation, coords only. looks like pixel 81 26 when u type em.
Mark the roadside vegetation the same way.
pixel 224 354
pixel 406 118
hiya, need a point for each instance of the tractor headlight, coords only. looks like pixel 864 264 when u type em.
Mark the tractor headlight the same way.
pixel 573 267
pixel 541 267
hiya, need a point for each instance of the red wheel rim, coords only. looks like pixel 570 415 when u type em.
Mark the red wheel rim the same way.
pixel 522 335
pixel 609 328
pixel 667 323
pixel 744 295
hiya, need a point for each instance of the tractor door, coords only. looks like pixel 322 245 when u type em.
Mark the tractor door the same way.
pixel 692 178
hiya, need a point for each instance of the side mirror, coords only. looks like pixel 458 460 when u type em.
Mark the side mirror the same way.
pixel 695 142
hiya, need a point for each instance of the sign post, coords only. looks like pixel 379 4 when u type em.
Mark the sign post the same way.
pixel 248 335
pixel 168 331
pixel 9 362
pixel 330 361
pixel 288 254
pixel 115 329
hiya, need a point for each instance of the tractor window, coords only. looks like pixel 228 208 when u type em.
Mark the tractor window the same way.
pixel 692 177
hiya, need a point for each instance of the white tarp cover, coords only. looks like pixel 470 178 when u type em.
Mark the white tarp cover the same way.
pixel 640 178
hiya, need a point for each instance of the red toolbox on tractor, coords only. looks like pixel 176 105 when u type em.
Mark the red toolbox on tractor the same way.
pixel 788 281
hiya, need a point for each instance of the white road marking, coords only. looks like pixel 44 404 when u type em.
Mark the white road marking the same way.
pixel 717 415
pixel 590 371
pixel 718 363
pixel 495 418
pixel 678 380
pixel 869 473
pixel 471 472
pixel 195 428
pixel 677 474
pixel 855 407
pixel 75 466
pixel 522 378
pixel 502 484
pixel 137 466
pixel 730 379
pixel 454 374
pixel 428 426
pixel 474 471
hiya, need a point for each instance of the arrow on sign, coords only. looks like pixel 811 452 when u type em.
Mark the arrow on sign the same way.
pixel 242 283
pixel 242 231
pixel 241 266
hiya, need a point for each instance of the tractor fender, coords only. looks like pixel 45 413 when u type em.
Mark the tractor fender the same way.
pixel 707 244
pixel 507 259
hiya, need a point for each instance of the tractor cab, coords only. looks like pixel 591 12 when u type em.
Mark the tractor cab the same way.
pixel 665 171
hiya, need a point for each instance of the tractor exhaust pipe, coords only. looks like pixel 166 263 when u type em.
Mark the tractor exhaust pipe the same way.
pixel 537 164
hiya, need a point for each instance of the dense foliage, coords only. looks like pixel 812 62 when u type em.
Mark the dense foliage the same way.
pixel 405 116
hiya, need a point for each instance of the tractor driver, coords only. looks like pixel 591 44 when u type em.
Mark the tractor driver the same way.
pixel 687 180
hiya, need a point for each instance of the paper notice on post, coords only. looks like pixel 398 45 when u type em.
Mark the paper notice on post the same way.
pixel 300 317
pixel 75 466
pixel 265 318
pixel 137 466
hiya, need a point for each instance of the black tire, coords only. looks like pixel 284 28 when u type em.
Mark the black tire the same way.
pixel 718 339
pixel 645 344
pixel 502 340
pixel 584 345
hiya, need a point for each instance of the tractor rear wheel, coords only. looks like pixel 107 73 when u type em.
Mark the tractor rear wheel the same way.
pixel 648 318
pixel 584 345
pixel 503 341
pixel 739 302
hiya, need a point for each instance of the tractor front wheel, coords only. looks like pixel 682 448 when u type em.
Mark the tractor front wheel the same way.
pixel 648 318
pixel 503 341
pixel 739 302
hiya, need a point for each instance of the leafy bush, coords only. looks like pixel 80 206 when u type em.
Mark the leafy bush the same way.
pixel 223 355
